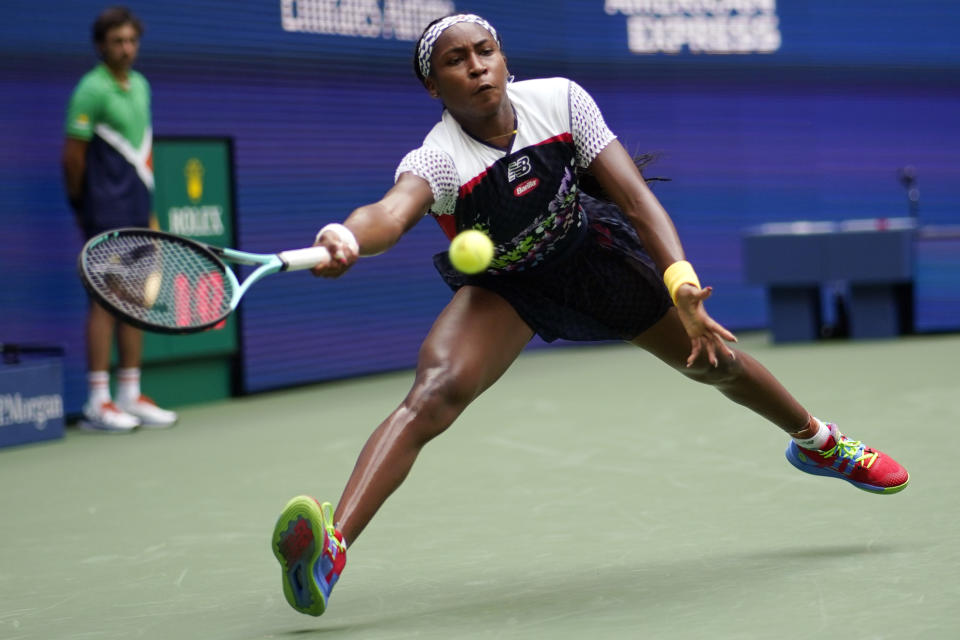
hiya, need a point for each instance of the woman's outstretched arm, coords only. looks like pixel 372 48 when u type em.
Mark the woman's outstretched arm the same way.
pixel 375 227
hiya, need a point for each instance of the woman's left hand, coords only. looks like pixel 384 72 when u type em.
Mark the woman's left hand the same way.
pixel 706 334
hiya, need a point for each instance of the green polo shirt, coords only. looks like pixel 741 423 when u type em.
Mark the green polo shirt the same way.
pixel 115 120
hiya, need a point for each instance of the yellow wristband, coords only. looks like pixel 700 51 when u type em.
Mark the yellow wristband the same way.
pixel 680 272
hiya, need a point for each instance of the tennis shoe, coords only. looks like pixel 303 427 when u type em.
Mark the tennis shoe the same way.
pixel 311 553
pixel 107 417
pixel 149 414
pixel 850 460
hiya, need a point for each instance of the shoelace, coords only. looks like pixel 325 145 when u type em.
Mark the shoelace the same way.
pixel 853 450
pixel 327 509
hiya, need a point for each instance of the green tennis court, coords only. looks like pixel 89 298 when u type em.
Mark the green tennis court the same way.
pixel 591 493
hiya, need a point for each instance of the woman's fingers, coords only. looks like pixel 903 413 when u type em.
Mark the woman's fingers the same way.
pixel 694 351
pixel 707 337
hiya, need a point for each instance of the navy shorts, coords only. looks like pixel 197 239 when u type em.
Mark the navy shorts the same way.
pixel 606 289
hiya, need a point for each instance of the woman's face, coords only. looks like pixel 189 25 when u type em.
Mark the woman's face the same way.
pixel 468 71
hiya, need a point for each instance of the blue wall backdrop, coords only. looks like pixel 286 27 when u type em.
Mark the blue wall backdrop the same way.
pixel 759 110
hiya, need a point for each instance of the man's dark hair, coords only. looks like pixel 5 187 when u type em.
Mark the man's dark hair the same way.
pixel 111 18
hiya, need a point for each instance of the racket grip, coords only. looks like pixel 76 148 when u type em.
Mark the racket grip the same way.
pixel 297 259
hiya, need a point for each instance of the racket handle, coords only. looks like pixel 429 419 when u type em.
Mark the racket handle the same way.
pixel 297 259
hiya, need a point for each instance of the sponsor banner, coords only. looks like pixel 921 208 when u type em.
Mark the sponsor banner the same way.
pixel 194 198
pixel 31 402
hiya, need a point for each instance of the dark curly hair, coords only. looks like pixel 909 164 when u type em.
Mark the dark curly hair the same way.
pixel 589 183
pixel 111 18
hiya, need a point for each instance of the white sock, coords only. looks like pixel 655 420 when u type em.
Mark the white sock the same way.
pixel 128 385
pixel 818 440
pixel 98 387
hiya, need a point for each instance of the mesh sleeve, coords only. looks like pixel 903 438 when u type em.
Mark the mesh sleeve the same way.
pixel 590 133
pixel 436 168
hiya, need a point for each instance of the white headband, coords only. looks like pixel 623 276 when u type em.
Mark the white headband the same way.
pixel 430 37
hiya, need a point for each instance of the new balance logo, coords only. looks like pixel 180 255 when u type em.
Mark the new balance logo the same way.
pixel 518 168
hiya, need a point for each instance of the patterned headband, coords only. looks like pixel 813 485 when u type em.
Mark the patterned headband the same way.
pixel 430 37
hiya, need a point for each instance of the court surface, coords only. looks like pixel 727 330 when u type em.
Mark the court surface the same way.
pixel 592 493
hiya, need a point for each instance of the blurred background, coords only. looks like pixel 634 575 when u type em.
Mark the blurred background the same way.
pixel 759 112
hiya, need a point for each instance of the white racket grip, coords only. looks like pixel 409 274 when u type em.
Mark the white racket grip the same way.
pixel 298 259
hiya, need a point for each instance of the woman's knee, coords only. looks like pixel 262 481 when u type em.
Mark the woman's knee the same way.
pixel 447 387
pixel 439 394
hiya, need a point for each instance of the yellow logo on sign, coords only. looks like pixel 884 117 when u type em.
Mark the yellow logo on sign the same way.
pixel 193 171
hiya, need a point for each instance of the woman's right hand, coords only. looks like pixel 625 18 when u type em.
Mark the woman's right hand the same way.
pixel 378 225
pixel 343 249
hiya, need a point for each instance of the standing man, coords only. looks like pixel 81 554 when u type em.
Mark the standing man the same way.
pixel 108 173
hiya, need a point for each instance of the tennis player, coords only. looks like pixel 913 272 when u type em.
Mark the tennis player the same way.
pixel 506 157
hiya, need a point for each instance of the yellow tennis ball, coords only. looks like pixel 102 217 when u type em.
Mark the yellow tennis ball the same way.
pixel 151 288
pixel 471 251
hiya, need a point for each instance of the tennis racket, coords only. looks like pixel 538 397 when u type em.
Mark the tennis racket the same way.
pixel 170 284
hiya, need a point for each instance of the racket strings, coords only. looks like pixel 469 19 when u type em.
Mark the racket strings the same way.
pixel 158 281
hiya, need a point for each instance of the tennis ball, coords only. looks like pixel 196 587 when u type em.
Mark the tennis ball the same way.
pixel 151 288
pixel 471 251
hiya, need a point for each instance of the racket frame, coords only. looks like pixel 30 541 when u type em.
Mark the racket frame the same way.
pixel 265 264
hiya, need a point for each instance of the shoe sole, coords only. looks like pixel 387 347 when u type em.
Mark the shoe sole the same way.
pixel 157 425
pixel 90 426
pixel 793 457
pixel 298 546
pixel 154 424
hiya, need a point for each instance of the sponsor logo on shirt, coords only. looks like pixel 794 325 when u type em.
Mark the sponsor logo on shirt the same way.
pixel 518 168
pixel 526 187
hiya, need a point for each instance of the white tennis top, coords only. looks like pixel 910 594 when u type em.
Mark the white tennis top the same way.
pixel 524 197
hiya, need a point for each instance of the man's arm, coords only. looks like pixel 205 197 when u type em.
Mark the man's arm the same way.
pixel 74 162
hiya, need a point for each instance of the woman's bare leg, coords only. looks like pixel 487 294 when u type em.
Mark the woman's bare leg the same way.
pixel 742 378
pixel 472 343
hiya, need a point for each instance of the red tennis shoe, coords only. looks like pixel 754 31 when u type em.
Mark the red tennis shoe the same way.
pixel 850 460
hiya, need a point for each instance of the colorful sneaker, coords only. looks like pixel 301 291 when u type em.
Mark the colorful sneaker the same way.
pixel 107 417
pixel 148 412
pixel 850 460
pixel 311 552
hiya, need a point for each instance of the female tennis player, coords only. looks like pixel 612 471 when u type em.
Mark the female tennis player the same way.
pixel 506 158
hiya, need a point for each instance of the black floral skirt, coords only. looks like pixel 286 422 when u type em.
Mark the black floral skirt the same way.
pixel 607 288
